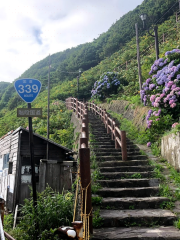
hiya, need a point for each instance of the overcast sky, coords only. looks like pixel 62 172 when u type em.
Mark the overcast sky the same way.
pixel 33 29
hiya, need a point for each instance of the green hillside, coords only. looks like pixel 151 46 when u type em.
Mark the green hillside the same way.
pixel 109 53
pixel 88 55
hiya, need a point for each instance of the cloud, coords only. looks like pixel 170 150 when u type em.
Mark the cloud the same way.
pixel 30 30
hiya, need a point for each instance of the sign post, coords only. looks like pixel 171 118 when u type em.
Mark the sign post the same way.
pixel 28 90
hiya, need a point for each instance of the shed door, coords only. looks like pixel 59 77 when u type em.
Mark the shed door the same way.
pixel 26 177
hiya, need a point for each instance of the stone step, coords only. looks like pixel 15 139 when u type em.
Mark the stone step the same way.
pixel 105 143
pixel 112 146
pixel 137 233
pixel 99 146
pixel 117 158
pixel 133 203
pixel 128 192
pixel 129 183
pixel 127 169
pixel 115 153
pixel 146 217
pixel 126 175
pixel 123 163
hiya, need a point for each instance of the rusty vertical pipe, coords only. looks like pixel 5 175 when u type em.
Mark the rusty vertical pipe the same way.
pixel 123 147
pixel 2 210
pixel 84 155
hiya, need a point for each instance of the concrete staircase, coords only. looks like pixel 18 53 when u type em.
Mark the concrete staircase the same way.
pixel 130 207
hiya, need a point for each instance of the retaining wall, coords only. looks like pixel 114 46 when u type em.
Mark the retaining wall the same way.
pixel 170 149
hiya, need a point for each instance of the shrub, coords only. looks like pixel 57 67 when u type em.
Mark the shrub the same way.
pixel 108 84
pixel 53 210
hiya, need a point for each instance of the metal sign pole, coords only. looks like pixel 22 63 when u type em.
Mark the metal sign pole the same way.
pixel 31 147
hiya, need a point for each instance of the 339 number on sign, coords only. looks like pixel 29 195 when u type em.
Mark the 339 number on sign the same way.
pixel 28 88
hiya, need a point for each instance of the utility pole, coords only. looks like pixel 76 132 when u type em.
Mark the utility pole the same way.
pixel 156 42
pixel 31 146
pixel 47 154
pixel 138 57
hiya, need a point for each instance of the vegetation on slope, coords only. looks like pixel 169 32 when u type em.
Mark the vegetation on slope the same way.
pixel 89 55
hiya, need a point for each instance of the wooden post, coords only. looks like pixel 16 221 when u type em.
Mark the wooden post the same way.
pixel 123 147
pixel 76 102
pixel 107 127
pixel 84 155
pixel 116 135
pixel 112 132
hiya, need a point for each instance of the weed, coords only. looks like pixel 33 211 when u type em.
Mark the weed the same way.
pixel 108 207
pixel 155 148
pixel 96 200
pixel 131 207
pixel 136 175
pixel 177 223
pixel 126 107
pixel 167 205
pixel 97 220
pixel 142 152
pixel 165 191
pixel 95 188
pixel 96 175
pixel 162 160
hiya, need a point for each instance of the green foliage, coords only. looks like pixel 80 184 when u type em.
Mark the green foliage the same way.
pixel 53 210
pixel 96 200
pixel 97 220
pixel 109 83
pixel 8 222
pixel 96 175
pixel 167 205
pixel 177 223
pixel 136 176
pixel 165 191
pixel 95 187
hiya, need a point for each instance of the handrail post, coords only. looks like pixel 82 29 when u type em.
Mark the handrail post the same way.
pixel 76 102
pixel 116 136
pixel 112 132
pixel 84 155
pixel 123 147
pixel 107 127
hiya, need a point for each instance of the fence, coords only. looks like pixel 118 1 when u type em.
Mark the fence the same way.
pixel 110 124
pixel 81 110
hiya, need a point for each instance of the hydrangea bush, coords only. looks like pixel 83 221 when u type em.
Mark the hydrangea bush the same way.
pixel 108 84
pixel 162 90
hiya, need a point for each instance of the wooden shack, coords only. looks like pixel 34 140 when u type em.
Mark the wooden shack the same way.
pixel 15 166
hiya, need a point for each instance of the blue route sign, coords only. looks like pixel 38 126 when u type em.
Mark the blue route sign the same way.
pixel 28 89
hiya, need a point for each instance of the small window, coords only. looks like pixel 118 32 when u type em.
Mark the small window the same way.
pixel 10 167
pixel 5 160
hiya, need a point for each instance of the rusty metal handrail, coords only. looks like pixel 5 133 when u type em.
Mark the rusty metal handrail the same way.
pixel 81 111
pixel 110 125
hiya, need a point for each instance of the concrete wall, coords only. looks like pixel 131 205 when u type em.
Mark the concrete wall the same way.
pixel 77 129
pixel 133 113
pixel 170 149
